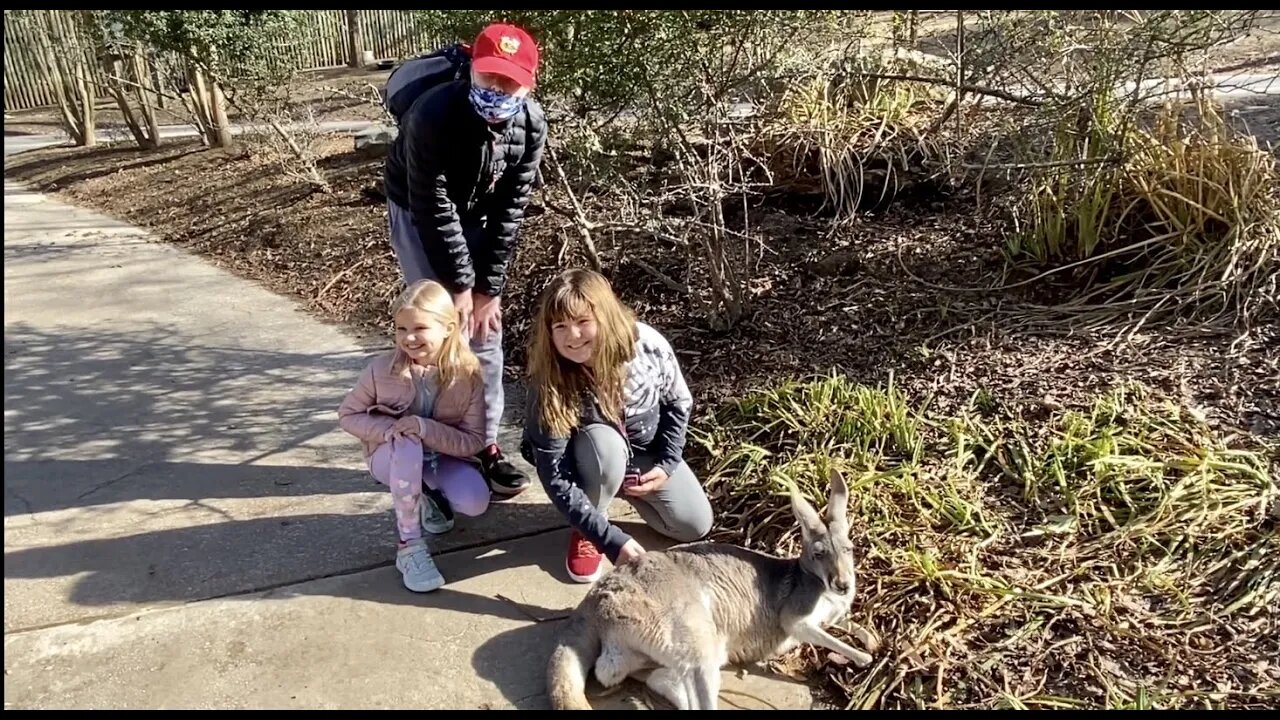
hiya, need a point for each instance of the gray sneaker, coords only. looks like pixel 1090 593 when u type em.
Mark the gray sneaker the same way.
pixel 420 571
pixel 435 512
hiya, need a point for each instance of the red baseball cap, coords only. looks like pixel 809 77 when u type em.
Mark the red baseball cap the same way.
pixel 506 50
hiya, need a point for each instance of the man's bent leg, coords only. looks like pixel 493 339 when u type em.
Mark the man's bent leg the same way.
pixel 489 353
pixel 502 476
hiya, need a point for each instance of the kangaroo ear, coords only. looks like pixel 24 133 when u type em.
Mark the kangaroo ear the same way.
pixel 838 505
pixel 810 521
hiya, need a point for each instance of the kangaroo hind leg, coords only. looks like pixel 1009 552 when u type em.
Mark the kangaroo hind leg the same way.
pixel 706 686
pixel 618 661
pixel 669 684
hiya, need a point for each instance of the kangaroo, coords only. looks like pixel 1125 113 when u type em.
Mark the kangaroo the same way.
pixel 674 618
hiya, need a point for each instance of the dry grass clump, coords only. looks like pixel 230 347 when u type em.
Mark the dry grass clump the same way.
pixel 1119 555
pixel 847 134
pixel 1183 215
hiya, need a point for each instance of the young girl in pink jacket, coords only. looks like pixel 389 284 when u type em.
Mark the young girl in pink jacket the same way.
pixel 419 409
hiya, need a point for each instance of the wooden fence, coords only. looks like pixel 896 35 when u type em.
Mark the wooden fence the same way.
pixel 321 42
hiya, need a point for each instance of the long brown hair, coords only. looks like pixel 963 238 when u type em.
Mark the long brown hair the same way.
pixel 560 382
pixel 455 359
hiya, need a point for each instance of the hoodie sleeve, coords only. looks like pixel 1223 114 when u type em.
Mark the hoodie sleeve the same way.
pixel 675 406
pixel 353 414
pixel 560 479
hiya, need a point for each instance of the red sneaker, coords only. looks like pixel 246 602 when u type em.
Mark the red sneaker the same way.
pixel 583 559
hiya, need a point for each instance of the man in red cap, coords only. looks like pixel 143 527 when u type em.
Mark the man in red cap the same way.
pixel 457 181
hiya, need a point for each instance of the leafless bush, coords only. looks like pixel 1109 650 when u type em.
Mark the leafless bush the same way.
pixel 288 136
pixel 853 107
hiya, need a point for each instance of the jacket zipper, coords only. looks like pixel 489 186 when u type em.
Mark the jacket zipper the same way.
pixel 486 159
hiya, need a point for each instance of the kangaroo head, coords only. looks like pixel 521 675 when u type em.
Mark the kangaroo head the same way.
pixel 827 551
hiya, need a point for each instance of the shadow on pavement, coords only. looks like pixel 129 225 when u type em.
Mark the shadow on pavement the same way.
pixel 158 465
pixel 84 406
pixel 229 556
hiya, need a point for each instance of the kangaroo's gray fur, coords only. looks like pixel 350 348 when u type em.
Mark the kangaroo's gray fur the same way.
pixel 675 618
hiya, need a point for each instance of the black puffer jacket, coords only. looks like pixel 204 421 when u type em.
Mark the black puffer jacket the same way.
pixel 451 169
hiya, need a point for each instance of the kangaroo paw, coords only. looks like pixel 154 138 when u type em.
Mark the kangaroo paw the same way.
pixel 817 636
pixel 865 637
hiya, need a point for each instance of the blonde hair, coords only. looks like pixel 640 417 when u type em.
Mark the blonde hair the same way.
pixel 455 359
pixel 561 382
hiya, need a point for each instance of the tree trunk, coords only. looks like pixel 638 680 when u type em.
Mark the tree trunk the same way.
pixel 86 88
pixel 114 70
pixel 202 109
pixel 52 71
pixel 160 75
pixel 906 27
pixel 146 93
pixel 59 73
pixel 355 40
pixel 221 125
pixel 199 103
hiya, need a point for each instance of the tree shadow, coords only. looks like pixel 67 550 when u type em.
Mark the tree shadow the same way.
pixel 337 555
pixel 49 250
pixel 144 399
pixel 230 557
pixel 84 406
pixel 79 165
pixel 148 442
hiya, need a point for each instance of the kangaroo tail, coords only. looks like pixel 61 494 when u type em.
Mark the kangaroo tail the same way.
pixel 571 661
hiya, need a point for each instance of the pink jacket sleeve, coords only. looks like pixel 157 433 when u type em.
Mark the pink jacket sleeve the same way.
pixel 465 439
pixel 353 413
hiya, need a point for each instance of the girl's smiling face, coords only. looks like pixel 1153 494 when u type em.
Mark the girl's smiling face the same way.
pixel 575 338
pixel 420 335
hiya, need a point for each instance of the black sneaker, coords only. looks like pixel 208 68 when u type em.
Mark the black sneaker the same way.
pixel 502 476
pixel 435 512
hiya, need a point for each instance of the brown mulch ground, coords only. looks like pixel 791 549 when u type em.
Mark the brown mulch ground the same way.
pixel 863 301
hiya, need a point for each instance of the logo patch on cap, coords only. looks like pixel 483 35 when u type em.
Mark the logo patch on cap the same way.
pixel 509 45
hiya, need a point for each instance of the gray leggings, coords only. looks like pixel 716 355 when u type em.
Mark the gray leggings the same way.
pixel 679 509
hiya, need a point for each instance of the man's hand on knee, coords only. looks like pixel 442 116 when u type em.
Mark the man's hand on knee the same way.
pixel 487 315
pixel 462 302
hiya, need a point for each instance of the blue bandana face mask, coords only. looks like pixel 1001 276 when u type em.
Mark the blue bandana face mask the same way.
pixel 495 105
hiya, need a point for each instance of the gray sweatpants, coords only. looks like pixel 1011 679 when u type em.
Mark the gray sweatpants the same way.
pixel 414 267
pixel 679 509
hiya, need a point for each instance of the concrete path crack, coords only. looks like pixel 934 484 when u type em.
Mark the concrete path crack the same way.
pixel 25 503
pixel 113 481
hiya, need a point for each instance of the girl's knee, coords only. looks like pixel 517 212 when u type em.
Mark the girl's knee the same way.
pixel 473 502
pixel 693 525
pixel 464 487
pixel 693 516
pixel 380 464
pixel 601 456
pixel 400 454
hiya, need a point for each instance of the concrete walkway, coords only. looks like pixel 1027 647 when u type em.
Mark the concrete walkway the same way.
pixel 186 527
pixel 21 143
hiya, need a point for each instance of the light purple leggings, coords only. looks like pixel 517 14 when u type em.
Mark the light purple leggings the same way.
pixel 399 465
